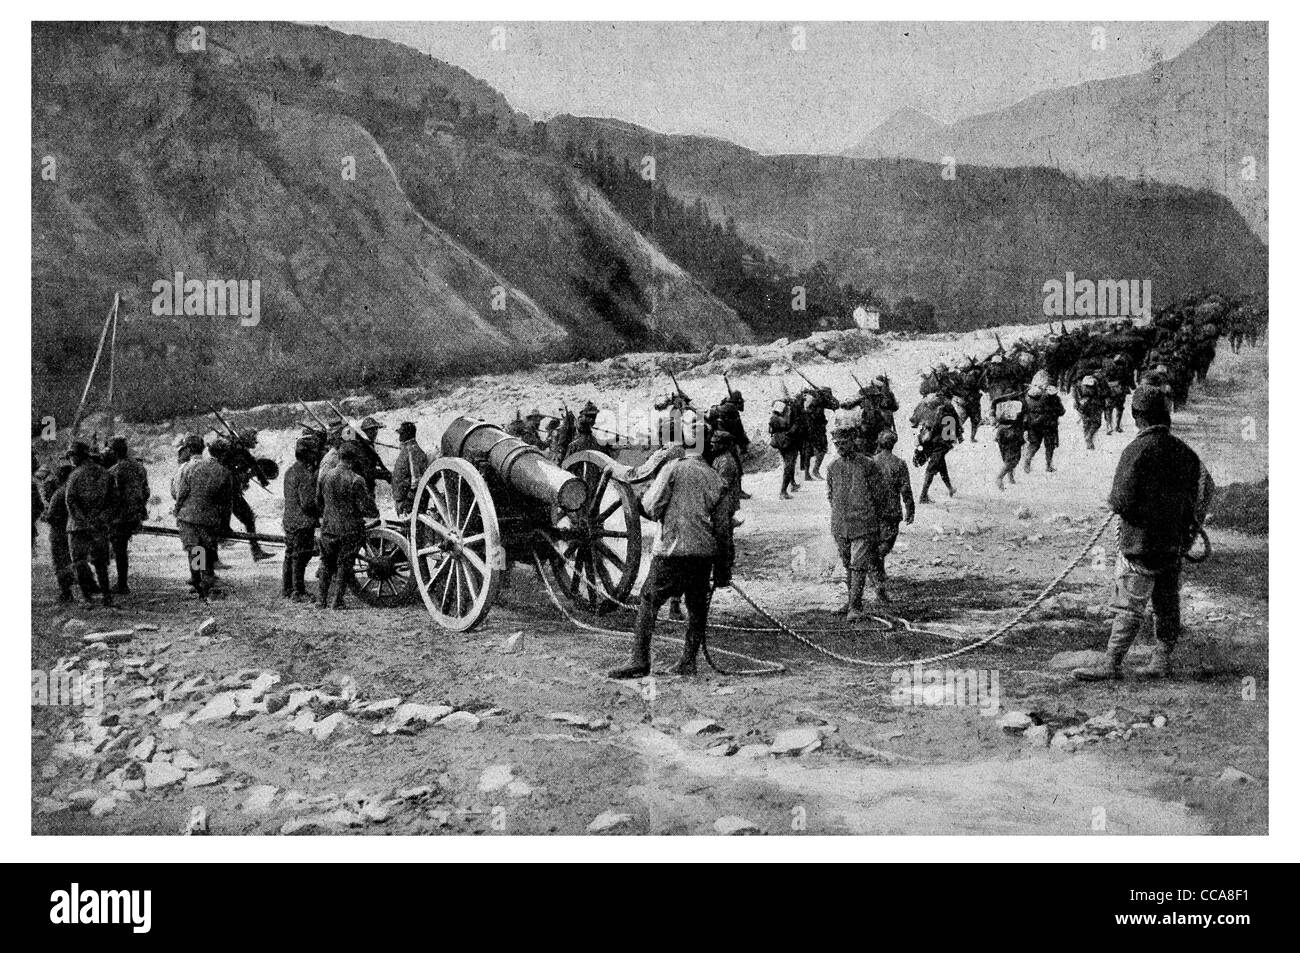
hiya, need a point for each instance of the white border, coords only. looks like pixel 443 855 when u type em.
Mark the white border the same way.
pixel 15 791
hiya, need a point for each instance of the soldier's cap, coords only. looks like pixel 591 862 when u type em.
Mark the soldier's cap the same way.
pixel 370 423
pixel 219 447
pixel 118 445
pixel 1149 404
pixel 248 437
pixel 192 442
pixel 78 449
pixel 734 396
pixel 406 430
pixel 886 440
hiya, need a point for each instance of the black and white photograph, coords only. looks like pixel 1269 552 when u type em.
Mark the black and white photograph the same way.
pixel 565 430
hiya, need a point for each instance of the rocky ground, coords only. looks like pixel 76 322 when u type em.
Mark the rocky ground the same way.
pixel 250 715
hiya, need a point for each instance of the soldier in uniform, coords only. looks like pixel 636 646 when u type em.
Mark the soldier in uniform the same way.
pixel 1010 436
pixel 584 436
pixel 939 432
pixel 333 441
pixel 689 502
pixel 238 458
pixel 345 504
pixel 1117 381
pixel 1043 410
pixel 300 520
pixel 1160 493
pixel 726 416
pixel 91 504
pixel 371 467
pixel 410 465
pixel 189 450
pixel 787 436
pixel 899 507
pixel 205 498
pixel 859 502
pixel 56 514
pixel 816 401
pixel 1089 404
pixel 131 501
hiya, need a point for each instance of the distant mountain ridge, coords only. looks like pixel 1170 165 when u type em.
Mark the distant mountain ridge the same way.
pixel 1198 120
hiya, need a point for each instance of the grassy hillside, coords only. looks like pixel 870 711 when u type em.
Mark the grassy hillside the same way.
pixel 445 251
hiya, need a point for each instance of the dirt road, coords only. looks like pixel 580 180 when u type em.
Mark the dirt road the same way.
pixel 547 745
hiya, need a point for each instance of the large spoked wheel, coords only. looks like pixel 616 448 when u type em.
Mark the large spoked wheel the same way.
pixel 382 575
pixel 596 552
pixel 456 548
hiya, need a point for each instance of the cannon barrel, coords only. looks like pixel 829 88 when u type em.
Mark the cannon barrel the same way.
pixel 520 466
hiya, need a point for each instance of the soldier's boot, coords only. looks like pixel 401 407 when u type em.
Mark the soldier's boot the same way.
pixel 340 587
pixel 686 664
pixel 258 552
pixel 998 480
pixel 1028 461
pixel 123 567
pixel 1050 468
pixel 925 488
pixel 101 574
pixel 857 583
pixel 1161 664
pixel 952 490
pixel 675 610
pixel 848 602
pixel 638 664
pixel 785 495
pixel 326 580
pixel 1122 633
pixel 286 576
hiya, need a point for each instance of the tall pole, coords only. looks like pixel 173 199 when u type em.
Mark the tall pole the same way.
pixel 90 378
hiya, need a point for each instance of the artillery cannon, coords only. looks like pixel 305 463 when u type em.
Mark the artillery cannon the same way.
pixel 492 499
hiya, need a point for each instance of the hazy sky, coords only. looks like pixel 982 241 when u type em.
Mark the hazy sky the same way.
pixel 745 82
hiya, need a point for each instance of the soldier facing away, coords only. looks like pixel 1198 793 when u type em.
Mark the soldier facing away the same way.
pixel 91 503
pixel 205 496
pixel 56 515
pixel 693 546
pixel 1160 493
pixel 859 500
pixel 1043 411
pixel 131 507
pixel 346 504
pixel 900 507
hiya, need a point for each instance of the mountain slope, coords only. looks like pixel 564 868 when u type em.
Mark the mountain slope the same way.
pixel 446 251
pixel 900 134
pixel 1189 121
pixel 979 246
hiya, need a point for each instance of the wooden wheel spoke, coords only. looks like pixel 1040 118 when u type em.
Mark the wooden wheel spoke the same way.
pixel 611 556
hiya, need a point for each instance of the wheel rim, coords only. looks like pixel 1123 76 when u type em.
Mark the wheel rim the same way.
pixel 382 575
pixel 596 553
pixel 457 558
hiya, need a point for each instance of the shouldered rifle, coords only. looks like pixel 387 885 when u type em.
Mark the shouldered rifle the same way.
pixel 242 452
pixel 680 393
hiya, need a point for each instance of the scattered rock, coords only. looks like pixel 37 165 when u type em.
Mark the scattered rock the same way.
pixel 413 712
pixel 1038 736
pixel 513 643
pixel 260 797
pixel 1231 775
pixel 159 774
pixel 795 741
pixel 1015 721
pixel 198 822
pixel 460 721
pixel 1063 742
pixel 519 789
pixel 203 779
pixel 753 751
pixel 218 707
pixel 732 825
pixel 701 726
pixel 608 821
pixel 380 709
pixel 328 725
pixel 116 637
pixel 207 627
pixel 102 806
pixel 579 721
pixel 1159 721
pixel 495 778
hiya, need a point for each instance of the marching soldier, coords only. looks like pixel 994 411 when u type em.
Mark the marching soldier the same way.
pixel 1089 404
pixel 1117 379
pixel 205 498
pixel 689 502
pixel 345 504
pixel 238 458
pixel 410 465
pixel 1010 437
pixel 300 520
pixel 1043 411
pixel 1160 492
pixel 91 503
pixel 859 499
pixel 816 401
pixel 786 429
pixel 898 485
pixel 939 433
pixel 131 507
pixel 726 416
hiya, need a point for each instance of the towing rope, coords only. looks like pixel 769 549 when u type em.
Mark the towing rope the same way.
pixel 768 668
